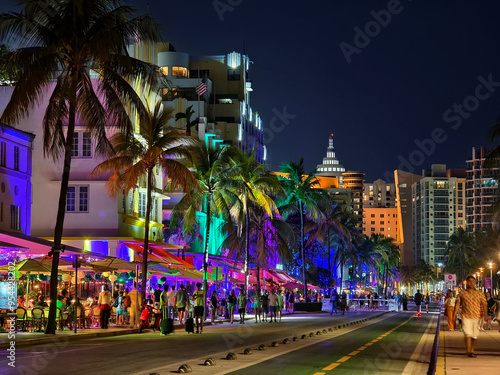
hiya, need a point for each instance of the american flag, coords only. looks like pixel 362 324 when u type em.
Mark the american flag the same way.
pixel 201 88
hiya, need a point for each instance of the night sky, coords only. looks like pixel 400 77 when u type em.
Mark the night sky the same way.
pixel 425 70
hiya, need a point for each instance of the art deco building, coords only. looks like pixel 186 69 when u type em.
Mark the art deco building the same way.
pixel 354 181
pixel 331 166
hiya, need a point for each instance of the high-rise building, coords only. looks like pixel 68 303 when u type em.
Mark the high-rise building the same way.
pixel 381 220
pixel 331 166
pixel 434 201
pixel 379 194
pixel 354 182
pixel 403 184
pixel 481 191
pixel 460 208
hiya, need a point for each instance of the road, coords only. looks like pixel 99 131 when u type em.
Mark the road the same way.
pixel 384 344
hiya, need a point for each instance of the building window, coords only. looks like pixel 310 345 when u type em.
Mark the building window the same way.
pixel 77 198
pixel 179 71
pixel 372 215
pixel 382 223
pixel 381 215
pixel 164 71
pixel 233 74
pixel 16 158
pixel 373 223
pixel 15 217
pixel 142 204
pixel 3 154
pixel 82 145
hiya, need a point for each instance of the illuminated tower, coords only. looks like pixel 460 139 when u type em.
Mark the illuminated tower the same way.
pixel 331 166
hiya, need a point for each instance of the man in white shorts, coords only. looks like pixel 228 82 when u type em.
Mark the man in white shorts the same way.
pixel 470 301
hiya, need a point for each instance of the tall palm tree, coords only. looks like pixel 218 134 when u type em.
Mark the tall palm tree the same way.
pixel 249 184
pixel 271 237
pixel 387 254
pixel 303 196
pixel 328 227
pixel 211 198
pixel 137 156
pixel 461 250
pixel 64 45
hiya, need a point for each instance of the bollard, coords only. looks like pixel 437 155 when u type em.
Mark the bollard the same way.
pixel 274 344
pixel 209 362
pixel 303 337
pixel 286 341
pixel 318 333
pixel 247 351
pixel 185 368
pixel 325 331
pixel 231 356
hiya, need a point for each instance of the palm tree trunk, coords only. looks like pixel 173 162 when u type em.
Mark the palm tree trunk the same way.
pixel 146 235
pixel 205 254
pixel 61 212
pixel 258 277
pixel 302 250
pixel 329 252
pixel 247 250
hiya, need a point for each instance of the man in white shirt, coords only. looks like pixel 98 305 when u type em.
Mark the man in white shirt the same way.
pixel 273 301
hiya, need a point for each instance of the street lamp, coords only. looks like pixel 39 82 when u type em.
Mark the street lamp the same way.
pixel 491 278
pixel 481 280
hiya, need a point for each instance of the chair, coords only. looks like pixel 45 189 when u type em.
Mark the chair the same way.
pixel 37 319
pixel 87 318
pixel 21 318
pixel 96 316
pixel 80 317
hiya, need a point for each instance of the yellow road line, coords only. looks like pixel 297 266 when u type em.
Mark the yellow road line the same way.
pixel 362 348
pixel 370 343
pixel 354 352
pixel 343 359
pixel 331 367
pixel 319 373
pixel 375 340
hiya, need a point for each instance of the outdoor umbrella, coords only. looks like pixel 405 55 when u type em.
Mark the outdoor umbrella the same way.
pixel 292 285
pixel 112 264
pixel 28 265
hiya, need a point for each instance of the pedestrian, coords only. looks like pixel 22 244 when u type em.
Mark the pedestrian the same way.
pixel 171 302
pixel 105 300
pixel 136 304
pixel 427 301
pixel 257 306
pixel 116 291
pixel 343 301
pixel 231 304
pixel 492 308
pixel 273 302
pixel 290 301
pixel 371 301
pixel 199 308
pixel 120 308
pixel 126 306
pixel 242 305
pixel 214 304
pixel 181 301
pixel 334 299
pixel 405 302
pixel 418 301
pixel 281 304
pixel 158 293
pixel 471 301
pixel 449 306
pixel 399 300
pixel 265 305
pixel 163 300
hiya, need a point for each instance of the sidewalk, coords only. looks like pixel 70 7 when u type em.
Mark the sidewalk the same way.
pixel 451 352
pixel 35 338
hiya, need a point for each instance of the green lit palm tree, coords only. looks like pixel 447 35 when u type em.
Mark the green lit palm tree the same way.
pixel 303 197
pixel 249 184
pixel 64 45
pixel 211 197
pixel 136 157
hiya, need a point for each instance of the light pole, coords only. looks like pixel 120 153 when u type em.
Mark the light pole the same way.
pixel 491 279
pixel 481 278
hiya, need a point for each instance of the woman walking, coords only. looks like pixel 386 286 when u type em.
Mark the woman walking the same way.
pixel 214 303
pixel 449 305
pixel 231 304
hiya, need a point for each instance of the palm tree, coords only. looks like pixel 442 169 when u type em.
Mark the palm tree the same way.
pixel 65 44
pixel 271 237
pixel 187 117
pixel 210 170
pixel 461 250
pixel 137 156
pixel 328 226
pixel 303 196
pixel 249 184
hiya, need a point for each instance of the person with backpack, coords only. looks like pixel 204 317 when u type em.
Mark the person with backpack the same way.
pixel 181 303
pixel 231 304
pixel 418 301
